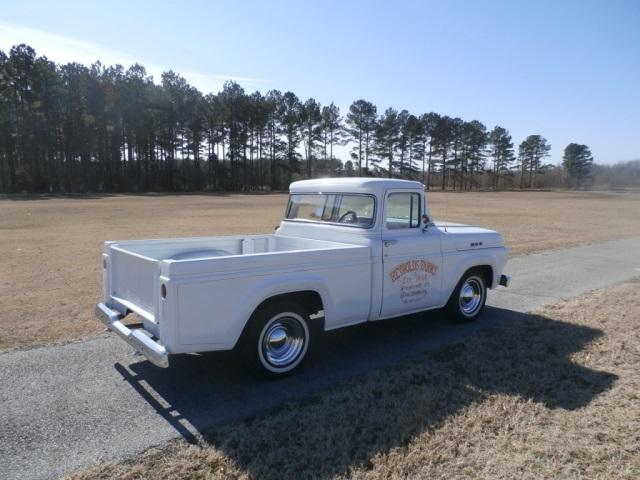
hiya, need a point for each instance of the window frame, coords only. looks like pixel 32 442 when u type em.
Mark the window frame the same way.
pixel 420 206
pixel 325 222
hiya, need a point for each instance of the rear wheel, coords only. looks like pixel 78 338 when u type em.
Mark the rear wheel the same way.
pixel 278 338
pixel 468 299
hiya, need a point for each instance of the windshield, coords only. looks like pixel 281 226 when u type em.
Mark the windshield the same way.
pixel 348 209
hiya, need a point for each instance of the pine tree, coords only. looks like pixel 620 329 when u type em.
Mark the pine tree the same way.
pixel 332 132
pixel 290 117
pixel 442 139
pixel 524 159
pixel 276 147
pixel 311 130
pixel 502 154
pixel 361 125
pixel 429 122
pixel 530 154
pixel 387 137
pixel 474 136
pixel 403 142
pixel 457 132
pixel 414 132
pixel 577 162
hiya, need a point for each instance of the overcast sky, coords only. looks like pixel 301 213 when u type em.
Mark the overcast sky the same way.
pixel 568 70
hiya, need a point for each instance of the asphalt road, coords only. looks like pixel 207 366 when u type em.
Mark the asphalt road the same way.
pixel 69 406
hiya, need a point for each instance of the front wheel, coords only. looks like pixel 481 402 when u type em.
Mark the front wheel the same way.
pixel 468 298
pixel 278 339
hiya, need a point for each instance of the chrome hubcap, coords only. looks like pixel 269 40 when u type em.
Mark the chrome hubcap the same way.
pixel 283 341
pixel 471 296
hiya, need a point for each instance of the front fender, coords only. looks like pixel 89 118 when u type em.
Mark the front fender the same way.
pixel 457 263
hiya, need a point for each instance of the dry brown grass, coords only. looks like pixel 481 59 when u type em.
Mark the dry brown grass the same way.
pixel 50 269
pixel 548 395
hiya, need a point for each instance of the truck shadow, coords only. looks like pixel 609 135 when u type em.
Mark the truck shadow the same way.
pixel 526 356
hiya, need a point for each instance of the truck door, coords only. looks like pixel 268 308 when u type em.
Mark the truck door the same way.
pixel 411 257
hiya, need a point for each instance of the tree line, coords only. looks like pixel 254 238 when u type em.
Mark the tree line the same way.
pixel 73 128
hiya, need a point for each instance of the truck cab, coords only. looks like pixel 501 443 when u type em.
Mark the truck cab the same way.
pixel 416 263
pixel 348 250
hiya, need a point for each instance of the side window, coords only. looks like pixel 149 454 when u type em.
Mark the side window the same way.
pixel 403 210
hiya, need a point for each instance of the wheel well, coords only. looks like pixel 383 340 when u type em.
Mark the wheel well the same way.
pixel 310 300
pixel 487 271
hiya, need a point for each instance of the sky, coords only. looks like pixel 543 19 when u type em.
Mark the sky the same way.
pixel 567 70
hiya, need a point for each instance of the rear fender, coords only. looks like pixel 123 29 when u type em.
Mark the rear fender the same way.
pixel 281 286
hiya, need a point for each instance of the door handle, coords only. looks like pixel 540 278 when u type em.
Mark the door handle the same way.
pixel 388 243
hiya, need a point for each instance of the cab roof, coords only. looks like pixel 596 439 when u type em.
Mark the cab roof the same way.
pixel 375 186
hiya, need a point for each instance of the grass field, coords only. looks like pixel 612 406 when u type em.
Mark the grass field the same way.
pixel 50 271
pixel 549 395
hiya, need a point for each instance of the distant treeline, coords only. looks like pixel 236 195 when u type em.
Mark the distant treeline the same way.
pixel 72 128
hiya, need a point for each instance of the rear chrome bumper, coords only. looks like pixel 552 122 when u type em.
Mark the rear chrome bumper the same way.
pixel 505 280
pixel 137 338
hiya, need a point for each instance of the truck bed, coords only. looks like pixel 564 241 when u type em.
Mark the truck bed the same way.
pixel 135 269
pixel 212 247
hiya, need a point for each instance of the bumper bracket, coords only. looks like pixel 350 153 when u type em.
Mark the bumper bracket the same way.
pixel 137 338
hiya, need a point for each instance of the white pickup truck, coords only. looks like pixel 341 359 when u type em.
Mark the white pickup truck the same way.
pixel 348 250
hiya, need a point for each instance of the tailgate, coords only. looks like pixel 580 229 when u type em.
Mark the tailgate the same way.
pixel 133 281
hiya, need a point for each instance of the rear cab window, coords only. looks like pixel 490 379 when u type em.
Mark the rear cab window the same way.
pixel 348 209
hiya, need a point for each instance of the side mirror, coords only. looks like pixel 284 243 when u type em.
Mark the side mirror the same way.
pixel 426 221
